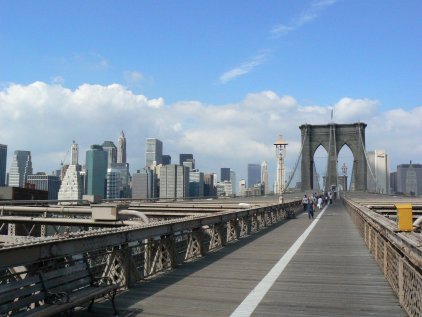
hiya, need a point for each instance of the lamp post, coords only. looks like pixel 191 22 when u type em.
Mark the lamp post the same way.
pixel 280 146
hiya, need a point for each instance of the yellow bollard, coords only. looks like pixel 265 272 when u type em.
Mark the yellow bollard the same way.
pixel 404 217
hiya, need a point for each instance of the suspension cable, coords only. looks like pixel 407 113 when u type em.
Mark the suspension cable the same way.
pixel 328 163
pixel 366 157
pixel 297 161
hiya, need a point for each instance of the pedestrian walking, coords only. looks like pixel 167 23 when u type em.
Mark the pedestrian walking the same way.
pixel 319 202
pixel 310 209
pixel 305 202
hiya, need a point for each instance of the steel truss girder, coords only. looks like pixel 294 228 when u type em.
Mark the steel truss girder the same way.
pixel 99 239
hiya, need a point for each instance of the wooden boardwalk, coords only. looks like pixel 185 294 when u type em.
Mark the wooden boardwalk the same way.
pixel 332 274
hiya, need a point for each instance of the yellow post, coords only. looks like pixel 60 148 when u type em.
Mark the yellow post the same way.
pixel 404 217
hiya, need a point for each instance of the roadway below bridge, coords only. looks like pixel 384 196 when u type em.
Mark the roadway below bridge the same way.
pixel 329 272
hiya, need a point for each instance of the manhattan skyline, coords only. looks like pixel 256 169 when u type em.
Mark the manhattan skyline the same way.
pixel 219 80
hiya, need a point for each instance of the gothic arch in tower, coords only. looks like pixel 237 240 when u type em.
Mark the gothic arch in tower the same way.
pixel 333 137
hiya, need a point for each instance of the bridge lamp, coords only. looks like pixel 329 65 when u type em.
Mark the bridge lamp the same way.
pixel 280 146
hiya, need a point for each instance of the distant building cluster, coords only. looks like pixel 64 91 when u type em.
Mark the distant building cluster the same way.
pixel 106 175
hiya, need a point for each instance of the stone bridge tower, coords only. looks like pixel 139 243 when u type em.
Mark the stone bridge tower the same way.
pixel 333 137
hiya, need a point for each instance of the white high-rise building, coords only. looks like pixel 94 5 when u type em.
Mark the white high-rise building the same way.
pixel 264 177
pixel 121 148
pixel 71 187
pixel 224 188
pixel 242 187
pixel 378 175
pixel 20 169
pixel 233 181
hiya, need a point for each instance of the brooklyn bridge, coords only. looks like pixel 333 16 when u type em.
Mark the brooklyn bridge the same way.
pixel 246 256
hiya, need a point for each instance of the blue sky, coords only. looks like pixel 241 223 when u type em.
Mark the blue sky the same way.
pixel 214 54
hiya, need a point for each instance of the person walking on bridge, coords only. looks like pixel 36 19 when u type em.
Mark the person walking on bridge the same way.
pixel 330 196
pixel 305 203
pixel 310 209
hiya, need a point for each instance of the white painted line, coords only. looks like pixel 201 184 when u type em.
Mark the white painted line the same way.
pixel 251 301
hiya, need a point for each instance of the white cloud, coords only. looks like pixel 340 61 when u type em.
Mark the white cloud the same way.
pixel 244 68
pixel 58 80
pixel 350 110
pixel 45 118
pixel 307 16
pixel 133 78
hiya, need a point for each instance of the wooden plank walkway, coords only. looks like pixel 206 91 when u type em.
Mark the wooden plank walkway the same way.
pixel 332 274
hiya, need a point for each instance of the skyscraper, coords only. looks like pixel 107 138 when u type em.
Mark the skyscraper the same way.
pixel 114 183
pixel 121 148
pixel 96 170
pixel 209 185
pixel 3 158
pixel 196 183
pixel 254 174
pixel 144 184
pixel 166 159
pixel 184 158
pixel 153 152
pixel 378 176
pixel 225 174
pixel 20 169
pixel 45 182
pixel 189 163
pixel 264 177
pixel 111 150
pixel 71 187
pixel 174 181
pixel 233 181
pixel 140 185
pixel 406 179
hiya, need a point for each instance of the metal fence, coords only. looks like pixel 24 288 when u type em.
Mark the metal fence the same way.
pixel 397 254
pixel 128 255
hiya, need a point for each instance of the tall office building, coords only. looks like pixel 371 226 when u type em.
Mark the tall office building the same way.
pixel 96 170
pixel 71 187
pixel 184 157
pixel 121 170
pixel 166 159
pixel 196 184
pixel 20 169
pixel 111 150
pixel 379 180
pixel 225 174
pixel 393 182
pixel 174 181
pixel 153 152
pixel 113 181
pixel 264 177
pixel 190 163
pixel 233 181
pixel 209 185
pixel 224 188
pixel 254 174
pixel 45 182
pixel 3 159
pixel 121 148
pixel 409 179
pixel 242 187
pixel 140 185
pixel 144 184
